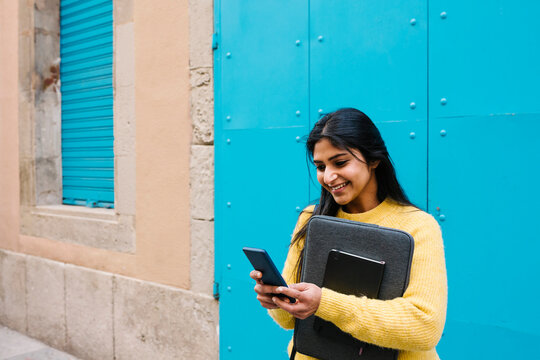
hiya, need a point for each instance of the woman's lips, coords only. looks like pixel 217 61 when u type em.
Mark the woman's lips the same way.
pixel 339 187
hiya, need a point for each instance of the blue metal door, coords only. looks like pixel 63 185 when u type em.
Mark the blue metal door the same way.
pixel 372 55
pixel 484 119
pixel 451 85
pixel 261 181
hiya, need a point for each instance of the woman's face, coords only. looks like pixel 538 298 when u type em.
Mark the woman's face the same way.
pixel 349 179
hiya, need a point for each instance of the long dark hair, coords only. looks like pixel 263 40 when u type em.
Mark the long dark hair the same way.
pixel 350 129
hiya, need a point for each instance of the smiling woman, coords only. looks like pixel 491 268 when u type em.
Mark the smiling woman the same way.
pixel 358 182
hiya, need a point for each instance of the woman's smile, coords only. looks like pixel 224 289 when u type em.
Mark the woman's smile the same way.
pixel 338 188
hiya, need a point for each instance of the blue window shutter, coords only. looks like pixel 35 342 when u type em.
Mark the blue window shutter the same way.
pixel 86 73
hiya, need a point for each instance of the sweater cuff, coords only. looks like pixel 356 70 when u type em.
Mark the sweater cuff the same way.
pixel 283 318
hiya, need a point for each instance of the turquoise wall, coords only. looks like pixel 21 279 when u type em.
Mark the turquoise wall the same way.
pixel 453 86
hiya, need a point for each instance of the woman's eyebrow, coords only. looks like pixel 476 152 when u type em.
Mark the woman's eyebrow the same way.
pixel 330 159
pixel 337 155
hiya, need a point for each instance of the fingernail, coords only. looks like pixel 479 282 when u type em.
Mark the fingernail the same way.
pixel 279 289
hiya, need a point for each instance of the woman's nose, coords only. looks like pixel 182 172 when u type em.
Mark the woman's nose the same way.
pixel 329 176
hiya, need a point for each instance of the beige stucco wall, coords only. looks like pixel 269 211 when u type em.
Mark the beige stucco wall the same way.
pixel 9 143
pixel 162 149
pixel 70 283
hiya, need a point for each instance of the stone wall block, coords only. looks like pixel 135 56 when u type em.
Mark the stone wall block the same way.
pixel 202 106
pixel 201 28
pixel 48 113
pixel 202 256
pixel 26 128
pixel 160 322
pixel 13 290
pixel 124 117
pixel 47 54
pixel 27 180
pixel 123 11
pixel 125 184
pixel 202 182
pixel 48 184
pixel 89 313
pixel 26 17
pixel 124 132
pixel 46 301
pixel 46 15
pixel 125 54
pixel 26 64
pixel 125 234
pixel 76 227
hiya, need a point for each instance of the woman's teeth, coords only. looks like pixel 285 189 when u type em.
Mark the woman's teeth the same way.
pixel 338 187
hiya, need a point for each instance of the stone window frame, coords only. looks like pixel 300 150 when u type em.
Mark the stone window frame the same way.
pixel 42 213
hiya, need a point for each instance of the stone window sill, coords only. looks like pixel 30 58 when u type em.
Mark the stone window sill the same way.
pixel 94 227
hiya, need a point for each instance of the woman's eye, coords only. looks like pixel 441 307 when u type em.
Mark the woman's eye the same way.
pixel 341 163
pixel 320 167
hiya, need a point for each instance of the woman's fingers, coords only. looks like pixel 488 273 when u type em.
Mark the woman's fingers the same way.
pixel 308 298
pixel 255 275
pixel 266 302
pixel 283 304
pixel 264 292
pixel 265 289
pixel 289 291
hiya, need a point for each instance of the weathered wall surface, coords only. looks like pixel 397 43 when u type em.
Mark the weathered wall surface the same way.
pixel 152 293
pixel 9 145
pixel 156 69
pixel 202 149
pixel 97 315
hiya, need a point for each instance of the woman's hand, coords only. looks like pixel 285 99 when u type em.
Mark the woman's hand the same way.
pixel 308 298
pixel 264 292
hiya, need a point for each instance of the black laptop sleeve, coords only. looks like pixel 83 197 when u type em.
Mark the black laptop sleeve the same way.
pixel 394 247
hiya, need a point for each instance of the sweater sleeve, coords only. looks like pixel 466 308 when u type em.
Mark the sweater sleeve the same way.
pixel 283 318
pixel 413 322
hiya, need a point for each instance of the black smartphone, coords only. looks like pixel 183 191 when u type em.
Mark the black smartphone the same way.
pixel 262 262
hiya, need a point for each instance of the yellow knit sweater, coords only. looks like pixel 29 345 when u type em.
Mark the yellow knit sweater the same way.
pixel 412 323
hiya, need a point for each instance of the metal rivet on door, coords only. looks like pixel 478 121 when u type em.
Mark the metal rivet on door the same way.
pixel 412 105
pixel 413 22
pixel 443 133
pixel 443 15
pixel 412 135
